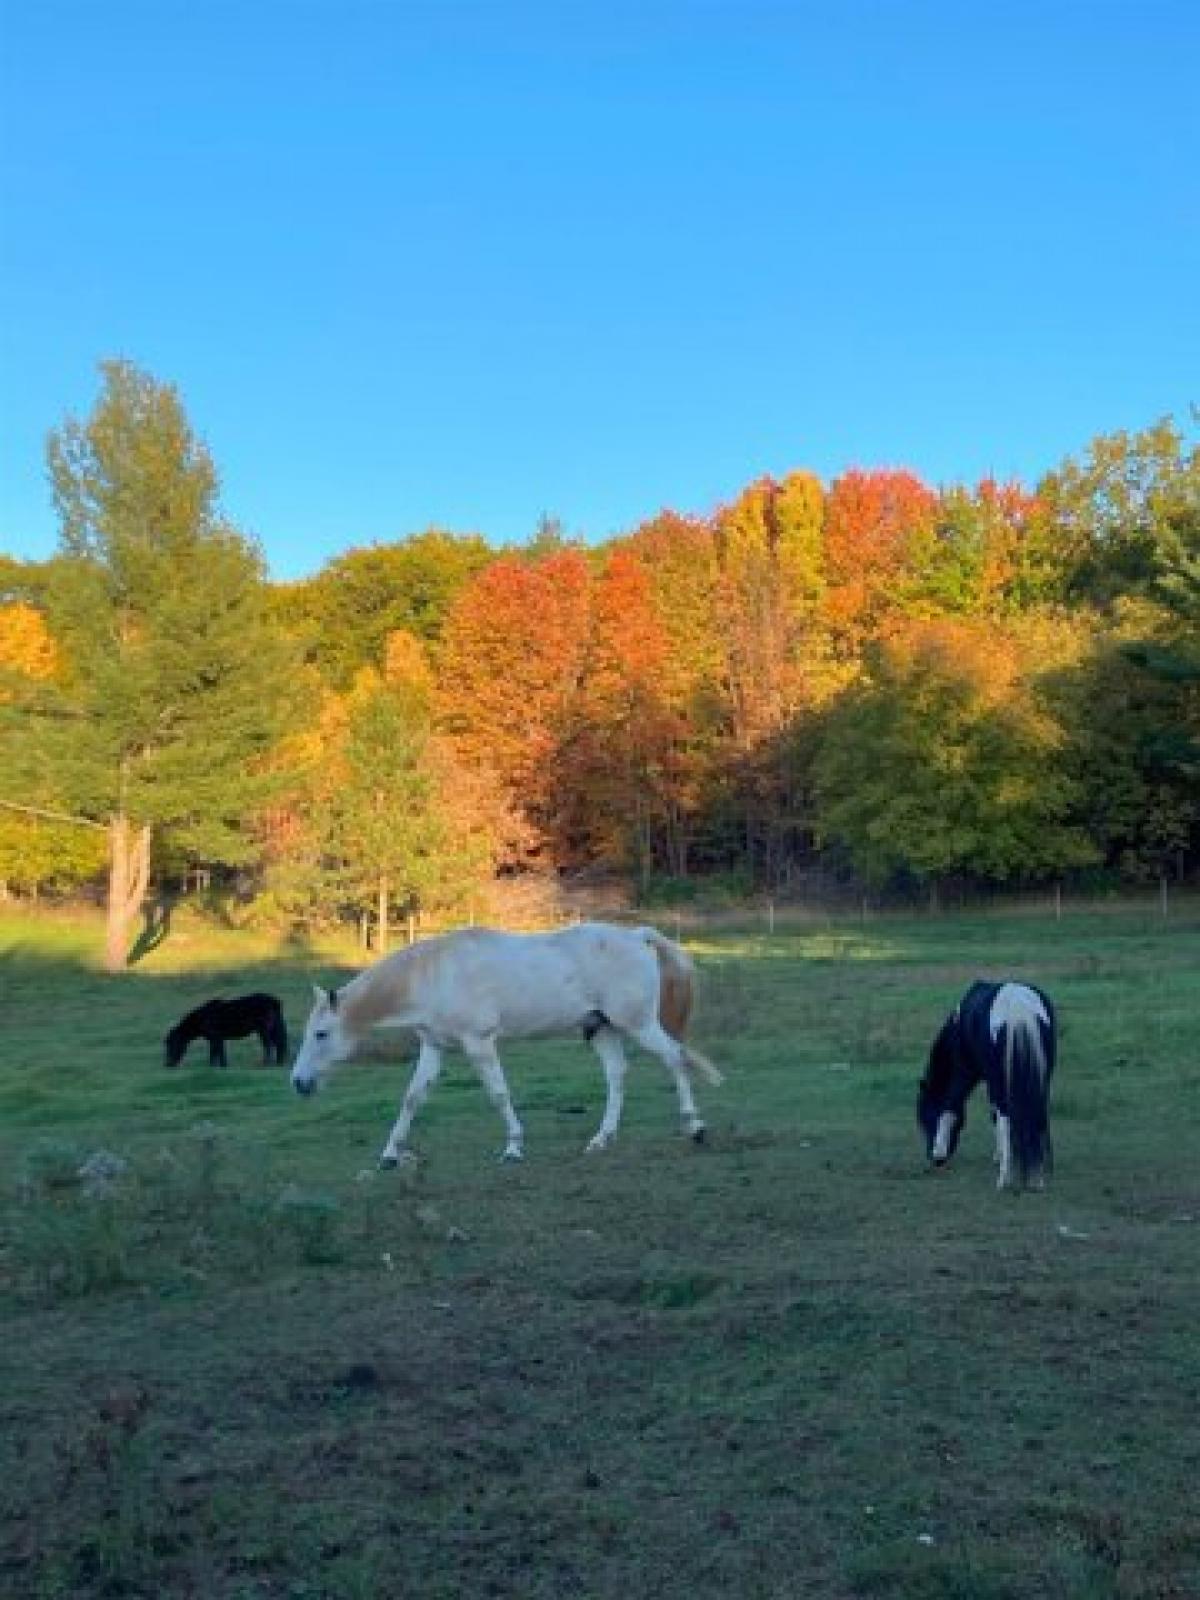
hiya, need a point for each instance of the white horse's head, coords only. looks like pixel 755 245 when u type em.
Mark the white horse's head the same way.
pixel 326 1042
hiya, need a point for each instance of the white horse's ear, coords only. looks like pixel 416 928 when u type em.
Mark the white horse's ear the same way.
pixel 319 995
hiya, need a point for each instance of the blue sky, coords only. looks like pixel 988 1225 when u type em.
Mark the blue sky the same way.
pixel 462 264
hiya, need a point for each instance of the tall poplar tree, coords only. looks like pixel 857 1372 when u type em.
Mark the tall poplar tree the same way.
pixel 174 682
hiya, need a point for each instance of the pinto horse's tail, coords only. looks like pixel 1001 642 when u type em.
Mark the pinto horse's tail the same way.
pixel 676 994
pixel 1029 1045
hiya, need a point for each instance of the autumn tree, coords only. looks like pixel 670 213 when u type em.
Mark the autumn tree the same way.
pixel 173 684
pixel 679 558
pixel 945 760
pixel 876 525
pixel 972 557
pixel 511 668
pixel 770 544
pixel 620 759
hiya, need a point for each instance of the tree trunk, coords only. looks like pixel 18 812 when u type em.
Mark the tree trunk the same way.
pixel 383 916
pixel 128 880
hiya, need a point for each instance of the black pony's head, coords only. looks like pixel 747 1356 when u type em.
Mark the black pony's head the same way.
pixel 174 1045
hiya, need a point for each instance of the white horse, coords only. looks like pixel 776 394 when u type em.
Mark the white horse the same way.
pixel 469 989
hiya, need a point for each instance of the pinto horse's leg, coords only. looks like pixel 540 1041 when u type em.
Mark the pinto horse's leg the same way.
pixel 944 1136
pixel 607 1045
pixel 482 1055
pixel 1003 1152
pixel 429 1064
pixel 654 1038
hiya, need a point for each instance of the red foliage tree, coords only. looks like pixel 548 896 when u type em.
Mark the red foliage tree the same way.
pixel 512 664
pixel 874 523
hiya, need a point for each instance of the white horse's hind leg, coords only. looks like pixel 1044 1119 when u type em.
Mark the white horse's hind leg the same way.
pixel 429 1064
pixel 658 1042
pixel 608 1047
pixel 483 1057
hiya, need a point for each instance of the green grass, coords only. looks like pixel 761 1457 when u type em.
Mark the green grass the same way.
pixel 791 1363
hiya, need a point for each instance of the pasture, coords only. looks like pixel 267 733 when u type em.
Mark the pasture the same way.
pixel 244 1365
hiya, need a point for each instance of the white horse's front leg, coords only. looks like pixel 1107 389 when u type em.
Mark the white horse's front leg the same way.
pixel 483 1057
pixel 607 1046
pixel 429 1064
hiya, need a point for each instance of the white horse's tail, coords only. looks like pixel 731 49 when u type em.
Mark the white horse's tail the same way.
pixel 1027 1068
pixel 676 995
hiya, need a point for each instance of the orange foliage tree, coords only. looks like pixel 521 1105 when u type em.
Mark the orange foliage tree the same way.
pixel 513 658
pixel 620 766
pixel 875 524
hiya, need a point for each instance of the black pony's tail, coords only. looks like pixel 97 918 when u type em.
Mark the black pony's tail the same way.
pixel 1028 1064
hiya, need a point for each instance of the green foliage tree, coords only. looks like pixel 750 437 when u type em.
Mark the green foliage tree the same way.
pixel 382 837
pixel 943 762
pixel 1119 514
pixel 1132 710
pixel 1171 654
pixel 970 559
pixel 344 615
pixel 381 834
pixel 37 847
pixel 173 684
pixel 1130 513
pixel 39 851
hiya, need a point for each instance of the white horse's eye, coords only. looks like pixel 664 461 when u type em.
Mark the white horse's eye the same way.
pixel 321 1033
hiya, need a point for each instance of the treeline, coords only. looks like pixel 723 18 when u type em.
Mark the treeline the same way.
pixel 903 684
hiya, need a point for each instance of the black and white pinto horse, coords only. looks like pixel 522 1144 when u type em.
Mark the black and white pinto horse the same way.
pixel 219 1020
pixel 1003 1034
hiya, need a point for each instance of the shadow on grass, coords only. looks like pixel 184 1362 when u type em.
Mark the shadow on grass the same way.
pixel 156 925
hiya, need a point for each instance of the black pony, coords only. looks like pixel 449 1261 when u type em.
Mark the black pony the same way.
pixel 1004 1034
pixel 218 1020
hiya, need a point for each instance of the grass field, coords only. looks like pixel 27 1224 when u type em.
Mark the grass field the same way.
pixel 791 1363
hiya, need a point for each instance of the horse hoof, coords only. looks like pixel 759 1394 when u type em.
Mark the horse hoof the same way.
pixel 512 1153
pixel 700 1134
pixel 598 1142
pixel 386 1163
